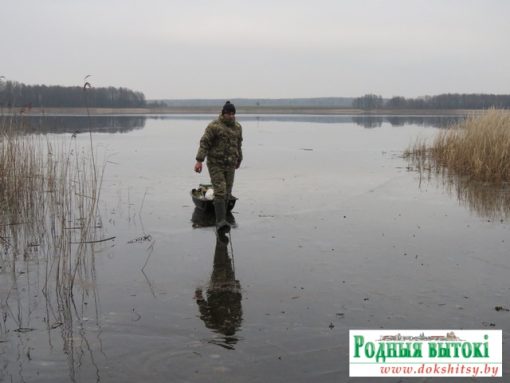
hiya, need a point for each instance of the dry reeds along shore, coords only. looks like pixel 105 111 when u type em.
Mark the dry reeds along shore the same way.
pixel 477 148
pixel 49 222
pixel 49 192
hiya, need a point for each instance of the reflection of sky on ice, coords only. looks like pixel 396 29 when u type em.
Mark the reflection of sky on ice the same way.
pixel 334 232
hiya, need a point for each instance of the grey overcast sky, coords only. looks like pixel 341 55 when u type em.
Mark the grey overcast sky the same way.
pixel 260 48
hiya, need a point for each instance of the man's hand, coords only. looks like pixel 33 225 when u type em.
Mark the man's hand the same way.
pixel 198 294
pixel 198 167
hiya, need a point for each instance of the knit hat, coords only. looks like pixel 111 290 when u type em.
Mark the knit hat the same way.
pixel 228 108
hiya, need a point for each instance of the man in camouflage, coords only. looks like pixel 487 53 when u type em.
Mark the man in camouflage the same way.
pixel 221 145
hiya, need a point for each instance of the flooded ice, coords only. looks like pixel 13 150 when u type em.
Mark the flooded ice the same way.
pixel 335 231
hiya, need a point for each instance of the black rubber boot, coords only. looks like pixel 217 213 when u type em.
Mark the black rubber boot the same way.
pixel 222 226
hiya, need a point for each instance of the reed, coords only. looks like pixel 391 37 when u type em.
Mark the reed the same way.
pixel 49 226
pixel 477 148
pixel 472 161
pixel 49 192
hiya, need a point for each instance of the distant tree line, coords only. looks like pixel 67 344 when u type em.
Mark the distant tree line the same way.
pixel 442 101
pixel 316 102
pixel 15 94
pixel 368 101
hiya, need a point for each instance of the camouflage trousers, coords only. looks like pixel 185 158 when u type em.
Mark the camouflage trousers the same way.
pixel 222 180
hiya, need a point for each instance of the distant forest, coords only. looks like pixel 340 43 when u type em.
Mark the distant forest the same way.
pixel 367 102
pixel 442 101
pixel 15 94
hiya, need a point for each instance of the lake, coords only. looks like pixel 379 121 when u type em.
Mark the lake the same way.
pixel 335 231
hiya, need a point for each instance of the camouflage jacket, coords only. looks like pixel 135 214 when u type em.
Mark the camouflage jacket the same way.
pixel 221 144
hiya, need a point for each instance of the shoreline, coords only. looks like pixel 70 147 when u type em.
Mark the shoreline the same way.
pixel 39 112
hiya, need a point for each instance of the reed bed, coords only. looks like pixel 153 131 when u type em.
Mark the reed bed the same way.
pixel 472 158
pixel 49 225
pixel 477 148
pixel 49 191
